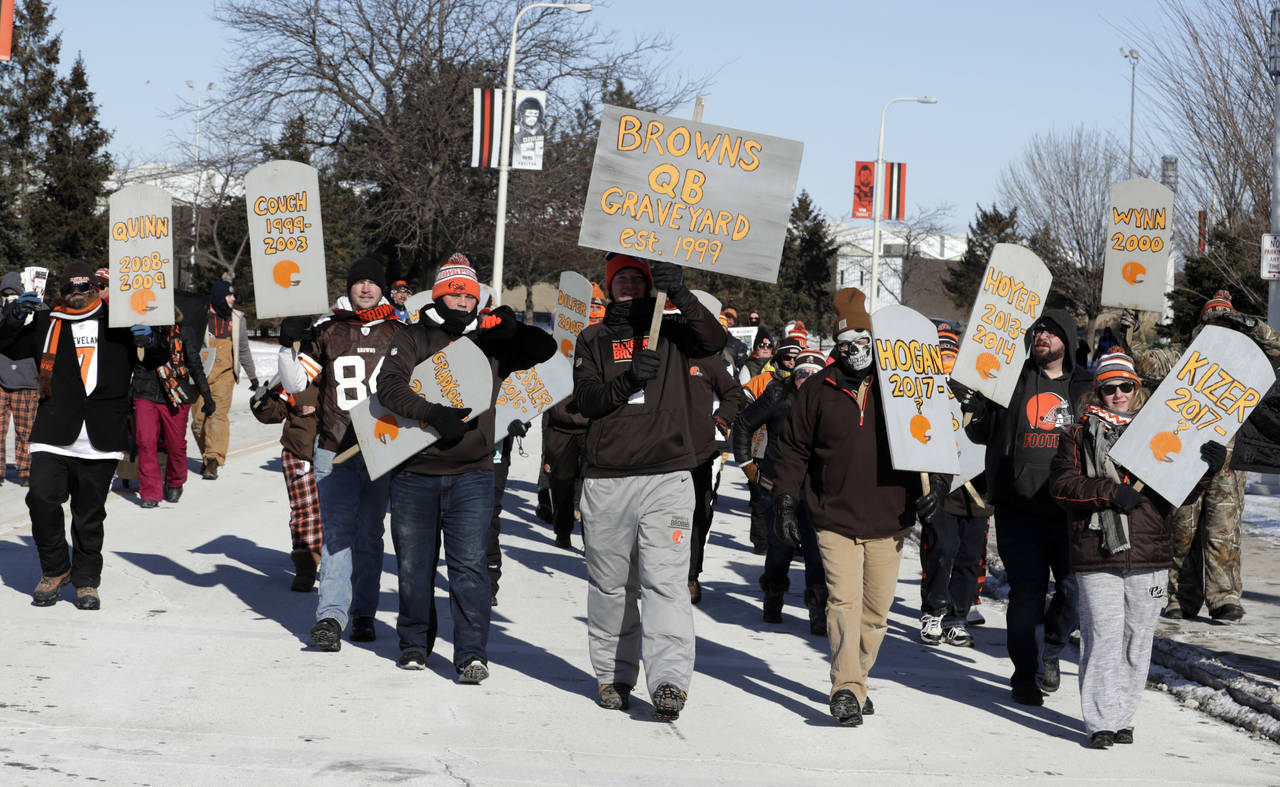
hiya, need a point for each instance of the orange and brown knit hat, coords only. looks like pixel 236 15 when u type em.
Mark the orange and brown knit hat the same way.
pixel 456 277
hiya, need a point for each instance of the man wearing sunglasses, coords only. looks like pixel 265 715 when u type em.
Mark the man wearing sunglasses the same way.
pixel 1031 531
pixel 80 431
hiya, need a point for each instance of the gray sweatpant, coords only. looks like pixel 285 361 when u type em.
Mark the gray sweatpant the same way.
pixel 636 532
pixel 1118 614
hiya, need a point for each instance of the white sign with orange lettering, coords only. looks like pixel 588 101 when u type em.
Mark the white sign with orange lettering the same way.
pixel 140 254
pixel 529 393
pixel 971 456
pixel 1207 395
pixel 913 391
pixel 573 308
pixel 458 376
pixel 1010 299
pixel 286 239
pixel 1139 241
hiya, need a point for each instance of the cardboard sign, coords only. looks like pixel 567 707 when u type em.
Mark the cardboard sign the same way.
pixel 745 334
pixel 709 302
pixel 457 376
pixel 528 393
pixel 140 251
pixel 971 456
pixel 286 239
pixel 1207 395
pixel 416 303
pixel 573 308
pixel 913 391
pixel 1139 241
pixel 34 279
pixel 667 188
pixel 208 357
pixel 1011 299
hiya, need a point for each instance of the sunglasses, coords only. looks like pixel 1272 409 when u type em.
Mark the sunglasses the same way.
pixel 69 288
pixel 1110 389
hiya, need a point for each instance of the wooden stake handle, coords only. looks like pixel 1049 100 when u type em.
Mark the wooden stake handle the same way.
pixel 655 325
pixel 347 454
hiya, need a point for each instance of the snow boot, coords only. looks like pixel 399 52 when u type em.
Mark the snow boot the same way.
pixel 844 706
pixel 668 701
pixel 815 598
pixel 773 598
pixel 614 696
pixel 305 563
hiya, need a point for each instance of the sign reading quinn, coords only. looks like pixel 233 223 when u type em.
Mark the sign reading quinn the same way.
pixel 140 250
pixel 286 239
pixel 913 391
pixel 1207 395
pixel 1139 240
pixel 705 196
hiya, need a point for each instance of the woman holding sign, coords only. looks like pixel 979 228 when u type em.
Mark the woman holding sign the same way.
pixel 1121 546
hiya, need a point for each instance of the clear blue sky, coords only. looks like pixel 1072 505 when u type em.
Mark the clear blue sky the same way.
pixel 818 72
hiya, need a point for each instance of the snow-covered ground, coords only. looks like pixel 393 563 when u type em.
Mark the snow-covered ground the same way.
pixel 1262 516
pixel 197 671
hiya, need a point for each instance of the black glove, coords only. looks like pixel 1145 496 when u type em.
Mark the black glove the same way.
pixel 142 335
pixel 970 400
pixel 27 302
pixel 448 421
pixel 499 324
pixel 209 406
pixel 644 366
pixel 1126 498
pixel 785 524
pixel 667 276
pixel 929 504
pixel 1215 455
pixel 253 383
pixel 295 329
pixel 518 429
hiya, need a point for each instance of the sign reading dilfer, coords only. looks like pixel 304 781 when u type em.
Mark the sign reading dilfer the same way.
pixel 140 250
pixel 286 239
pixel 705 196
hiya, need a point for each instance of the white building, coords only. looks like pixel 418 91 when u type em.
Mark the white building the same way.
pixel 922 276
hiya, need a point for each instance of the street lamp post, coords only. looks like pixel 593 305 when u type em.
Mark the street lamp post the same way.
pixel 875 197
pixel 1269 483
pixel 195 201
pixel 1132 56
pixel 504 155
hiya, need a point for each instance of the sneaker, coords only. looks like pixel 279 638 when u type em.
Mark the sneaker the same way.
pixel 668 701
pixel 362 630
pixel 473 672
pixel 614 696
pixel 149 504
pixel 1052 676
pixel 49 588
pixel 974 618
pixel 695 591
pixel 412 659
pixel 1102 739
pixel 1172 613
pixel 210 470
pixel 1227 613
pixel 172 494
pixel 326 634
pixel 844 706
pixel 931 629
pixel 868 709
pixel 958 636
pixel 1028 695
pixel 87 598
pixel 1125 735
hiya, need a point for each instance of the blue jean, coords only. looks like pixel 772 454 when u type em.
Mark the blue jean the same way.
pixel 426 509
pixel 352 508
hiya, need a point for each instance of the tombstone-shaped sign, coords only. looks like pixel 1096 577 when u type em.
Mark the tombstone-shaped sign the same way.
pixel 709 302
pixel 1207 395
pixel 528 393
pixel 1010 299
pixel 913 391
pixel 573 308
pixel 34 278
pixel 458 376
pixel 1139 241
pixel 710 197
pixel 415 303
pixel 286 239
pixel 971 456
pixel 140 251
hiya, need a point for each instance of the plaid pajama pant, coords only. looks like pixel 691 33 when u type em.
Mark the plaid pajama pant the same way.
pixel 21 404
pixel 304 501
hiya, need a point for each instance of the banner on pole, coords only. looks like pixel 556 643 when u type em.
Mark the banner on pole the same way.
pixel 1139 241
pixel 6 30
pixel 913 391
pixel 286 239
pixel 528 137
pixel 140 251
pixel 1014 288
pixel 894 189
pixel 486 128
pixel 864 183
pixel 1208 395
pixel 709 197
pixel 573 308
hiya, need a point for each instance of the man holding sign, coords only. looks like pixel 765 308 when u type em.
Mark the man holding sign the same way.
pixel 637 496
pixel 81 431
pixel 446 491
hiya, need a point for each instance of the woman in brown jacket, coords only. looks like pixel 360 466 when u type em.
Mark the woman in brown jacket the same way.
pixel 1120 551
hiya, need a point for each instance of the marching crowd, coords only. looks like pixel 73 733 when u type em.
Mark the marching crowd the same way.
pixel 636 455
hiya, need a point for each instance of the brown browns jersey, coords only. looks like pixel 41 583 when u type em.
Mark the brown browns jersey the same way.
pixel 350 354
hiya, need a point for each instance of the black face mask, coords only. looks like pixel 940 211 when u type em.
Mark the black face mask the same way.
pixel 455 321
pixel 635 312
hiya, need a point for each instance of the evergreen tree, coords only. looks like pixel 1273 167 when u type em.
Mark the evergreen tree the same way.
pixel 808 267
pixel 1230 262
pixel 64 218
pixel 989 227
